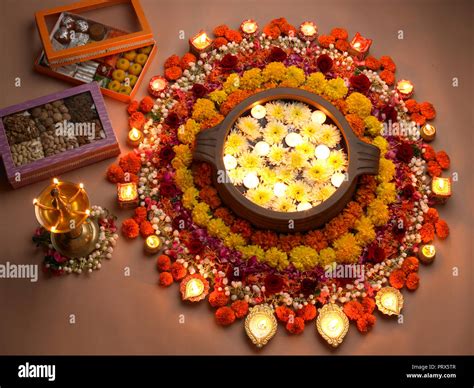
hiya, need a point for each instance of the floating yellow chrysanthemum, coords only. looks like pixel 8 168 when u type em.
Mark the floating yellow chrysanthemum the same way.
pixel 337 160
pixel 297 160
pixel 310 131
pixel 276 154
pixel 249 161
pixel 324 192
pixel 237 175
pixel 275 111
pixel 297 114
pixel 250 127
pixel 268 176
pixel 261 195
pixel 328 135
pixel 274 132
pixel 298 191
pixel 306 149
pixel 320 171
pixel 235 144
pixel 284 205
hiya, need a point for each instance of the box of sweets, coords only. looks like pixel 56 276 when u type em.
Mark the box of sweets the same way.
pixel 80 50
pixel 53 134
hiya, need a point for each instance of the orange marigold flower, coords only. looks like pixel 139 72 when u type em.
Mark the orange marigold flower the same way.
pixel 136 120
pixel 366 322
pixel 388 77
pixel 178 271
pixel 443 159
pixel 165 279
pixel 233 36
pixel 140 214
pixel 427 232
pixel 146 104
pixel 218 42
pixel 442 229
pixel 368 304
pixel 225 215
pixel 326 40
pixel 218 299
pixel 413 281
pixel 202 175
pixel 387 63
pixel 146 229
pixel 372 63
pixel 130 163
pixel 284 313
pixel 412 106
pixel 240 307
pixel 418 118
pixel 316 240
pixel 397 278
pixel 115 174
pixel 353 310
pixel 343 45
pixel 308 312
pixel 209 195
pixel 410 264
pixel 187 59
pixel 130 228
pixel 288 242
pixel 220 30
pixel 427 109
pixel 225 316
pixel 356 123
pixel 433 167
pixel 172 61
pixel 341 104
pixel 272 31
pixel 279 21
pixel 295 325
pixel 132 107
pixel 429 153
pixel 242 227
pixel 212 122
pixel 163 263
pixel 339 33
pixel 265 238
pixel 173 73
pixel 431 216
pixel 288 29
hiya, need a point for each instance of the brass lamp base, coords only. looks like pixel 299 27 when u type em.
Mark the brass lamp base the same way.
pixel 79 242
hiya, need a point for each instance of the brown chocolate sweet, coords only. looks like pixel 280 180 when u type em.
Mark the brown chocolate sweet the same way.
pixel 62 35
pixel 97 31
pixel 68 22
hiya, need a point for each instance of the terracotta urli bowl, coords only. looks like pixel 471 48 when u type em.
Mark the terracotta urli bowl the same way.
pixel 363 158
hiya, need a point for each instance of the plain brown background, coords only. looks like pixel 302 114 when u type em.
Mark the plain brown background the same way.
pixel 131 315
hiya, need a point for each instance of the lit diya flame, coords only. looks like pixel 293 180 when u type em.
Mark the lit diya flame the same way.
pixel 194 288
pixel 360 45
pixel 441 187
pixel 405 88
pixel 127 194
pixel 427 253
pixel 157 85
pixel 201 42
pixel 152 244
pixel 389 301
pixel 308 31
pixel 332 324
pixel 134 137
pixel 260 325
pixel 249 27
pixel 428 132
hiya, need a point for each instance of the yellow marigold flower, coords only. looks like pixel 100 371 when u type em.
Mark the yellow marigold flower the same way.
pixel 234 240
pixel 304 258
pixel 284 205
pixel 249 251
pixel 276 259
pixel 387 192
pixel 335 89
pixel 337 160
pixel 276 111
pixel 185 136
pixel 381 144
pixel 201 214
pixel 306 149
pixel 378 212
pixel 294 77
pixel 232 83
pixel 365 231
pixel 298 191
pixel 386 170
pixel 297 114
pixel 249 161
pixel 251 79
pixel 204 109
pixel 190 197
pixel 327 256
pixel 328 135
pixel 235 144
pixel 250 127
pixel 373 126
pixel 183 154
pixel 274 132
pixel 347 249
pixel 217 228
pixel 319 171
pixel 218 96
pixel 184 178
pixel 316 82
pixel 359 104
pixel 275 71
pixel 262 195
pixel 297 160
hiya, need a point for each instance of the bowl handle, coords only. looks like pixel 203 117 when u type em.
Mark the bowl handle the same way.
pixel 368 157
pixel 205 147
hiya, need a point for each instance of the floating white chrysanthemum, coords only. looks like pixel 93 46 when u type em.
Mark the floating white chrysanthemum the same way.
pixel 328 135
pixel 274 132
pixel 297 114
pixel 250 127
pixel 276 111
